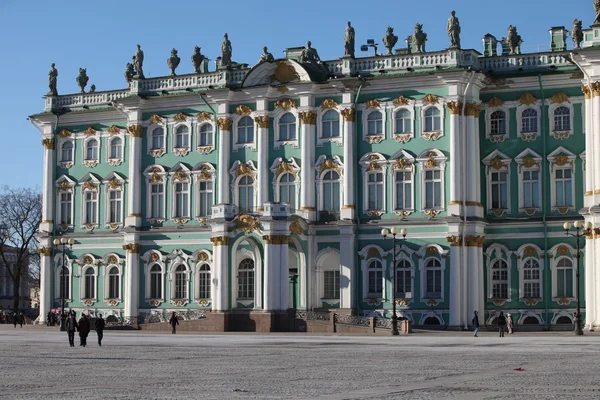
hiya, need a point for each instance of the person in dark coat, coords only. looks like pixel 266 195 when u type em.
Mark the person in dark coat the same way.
pixel 173 321
pixel 71 326
pixel 475 323
pixel 21 319
pixel 100 329
pixel 84 330
pixel 501 324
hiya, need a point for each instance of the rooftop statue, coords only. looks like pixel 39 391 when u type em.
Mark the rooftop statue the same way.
pixel 197 60
pixel 577 34
pixel 129 73
pixel 418 39
pixel 513 40
pixel 310 55
pixel 138 63
pixel 453 29
pixel 597 9
pixel 266 56
pixel 389 40
pixel 349 41
pixel 173 61
pixel 52 77
pixel 92 88
pixel 82 79
pixel 226 52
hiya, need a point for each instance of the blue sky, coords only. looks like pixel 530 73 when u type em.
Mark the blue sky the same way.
pixel 102 36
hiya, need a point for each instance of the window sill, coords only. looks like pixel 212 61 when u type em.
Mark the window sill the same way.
pixel 560 135
pixel 205 149
pixel 529 211
pixel 563 210
pixel 115 162
pixel 89 227
pixel 181 151
pixel 403 137
pixel 90 163
pixel 181 220
pixel 157 152
pixel 374 213
pixel 404 212
pixel 431 136
pixel 373 139
pixel 432 212
pixel 290 142
pixel 497 137
pixel 498 211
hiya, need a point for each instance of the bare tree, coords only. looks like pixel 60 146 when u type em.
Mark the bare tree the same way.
pixel 20 217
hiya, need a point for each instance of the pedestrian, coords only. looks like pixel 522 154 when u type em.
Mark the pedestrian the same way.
pixel 100 329
pixel 21 319
pixel 509 323
pixel 84 329
pixel 173 321
pixel 475 323
pixel 71 326
pixel 48 318
pixel 501 323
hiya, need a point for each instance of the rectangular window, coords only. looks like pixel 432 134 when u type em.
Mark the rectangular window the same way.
pixel 331 193
pixel 157 201
pixel 180 286
pixel 564 282
pixel 91 207
pixel 113 287
pixel 66 199
pixel 499 183
pixel 563 182
pixel 376 282
pixel 403 190
pixel 403 283
pixel 204 285
pixel 331 282
pixel 155 285
pixel 181 200
pixel 434 283
pixel 433 189
pixel 531 189
pixel 375 191
pixel 114 206
pixel 205 196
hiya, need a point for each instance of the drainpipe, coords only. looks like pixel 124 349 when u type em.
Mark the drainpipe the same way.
pixel 463 258
pixel 356 219
pixel 545 196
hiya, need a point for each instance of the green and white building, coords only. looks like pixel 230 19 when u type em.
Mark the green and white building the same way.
pixel 251 191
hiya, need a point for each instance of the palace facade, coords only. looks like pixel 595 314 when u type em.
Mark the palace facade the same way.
pixel 252 191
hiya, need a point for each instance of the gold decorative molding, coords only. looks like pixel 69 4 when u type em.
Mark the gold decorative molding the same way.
pixel 48 144
pixel 596 89
pixel 224 124
pixel 243 110
pixel 432 302
pixel 276 239
pixel 204 116
pixel 586 92
pixel 65 133
pixel 499 302
pixel 455 107
pixel 135 130
pixel 528 137
pixel 205 174
pixel 112 260
pixel 431 163
pixel 431 250
pixel 284 73
pixel 400 101
pixel 561 160
pixel 560 135
pixel 497 163
pixel 431 136
pixel 329 164
pixel 348 114
pixel 156 178
pixel 372 103
pixel 495 102
pixel 180 117
pixel 432 212
pixel 285 104
pixel 87 260
pixel 401 163
pixel 132 248
pixel 156 119
pixel 282 89
pixel 402 137
pixel 262 121
pixel 180 176
pixel 430 99
pixel 473 110
pixel 527 99
pixel 90 131
pixel 531 302
pixel 373 166
pixel 529 162
pixel 373 139
pixel 45 251
pixel 559 97
pixel 90 185
pixel 308 117
pixel 474 241
pixel 154 257
pixel 243 169
pixel 296 228
pixel 454 240
pixel 498 138
pixel 562 250
pixel 64 185
pixel 114 129
pixel 284 167
pixel 307 208
pixel 203 256
pixel 246 223
pixel 529 251
pixel 328 104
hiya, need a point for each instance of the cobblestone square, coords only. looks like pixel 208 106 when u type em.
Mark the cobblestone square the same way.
pixel 37 363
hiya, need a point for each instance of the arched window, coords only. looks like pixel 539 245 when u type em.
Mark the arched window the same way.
pixel 157 200
pixel 205 136
pixel 204 282
pixel 375 191
pixel 287 190
pixel 89 291
pixel 155 282
pixel 564 278
pixel 498 123
pixel 531 279
pixel 375 278
pixel 116 148
pixel 330 124
pixel 403 121
pixel 331 191
pixel 180 282
pixel 562 119
pixel 158 138
pixel 67 152
pixel 246 279
pixel 500 280
pixel 182 137
pixel 245 130
pixel 64 283
pixel 529 121
pixel 114 283
pixel 91 150
pixel 246 193
pixel 403 279
pixel 433 120
pixel 287 127
pixel 433 279
pixel 375 123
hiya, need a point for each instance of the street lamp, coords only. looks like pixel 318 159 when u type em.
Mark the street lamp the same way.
pixel 62 243
pixel 385 232
pixel 580 231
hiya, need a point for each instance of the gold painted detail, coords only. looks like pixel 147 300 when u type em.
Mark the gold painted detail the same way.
pixel 204 116
pixel 373 166
pixel 115 162
pixel 430 99
pixel 497 138
pixel 495 102
pixel 90 131
pixel 224 124
pixel 455 107
pixel 400 101
pixel 432 212
pixel 45 251
pixel 87 260
pixel 586 92
pixel 203 256
pixel 401 163
pixel 498 163
pixel 285 104
pixel 402 137
pixel 154 303
pixel 88 303
pixel 276 239
pixel 112 260
pixel 431 136
pixel 205 173
pixel 562 250
pixel 284 73
pixel 243 169
pixel 401 302
pixel 454 240
pixel 90 163
pixel 284 167
pixel 596 89
pixel 181 151
pixel 156 119
pixel 563 301
pixel 181 221
pixel 113 302
pixel 373 252
pixel 589 193
pixel 243 110
pixel 246 223
pixel 527 99
pixel 157 152
pixel 348 114
pixel 262 121
pixel 328 104
pixel 373 139
pixel 560 135
pixel 132 248
pixel 114 184
pixel 529 137
pixel 372 103
pixel 156 178
pixel 431 250
pixel 474 241
pixel 308 117
pixel 431 163
pixel 531 302
pixel 559 97
pixel 114 129
pixel 530 251
pixel 529 162
pixel 432 302
pixel 154 257
pixel 329 164
pixel 499 303
pixel 64 185
pixel 296 228
pixel 90 185
pixel 65 133
pixel 180 176
pixel 180 117
pixel 473 110
pixel 135 130
pixel 48 144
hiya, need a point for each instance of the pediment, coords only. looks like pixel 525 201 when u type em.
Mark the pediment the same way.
pixel 275 73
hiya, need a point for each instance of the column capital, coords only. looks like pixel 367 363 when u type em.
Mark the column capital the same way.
pixel 135 130
pixel 308 117
pixel 224 124
pixel 455 107
pixel 454 240
pixel 220 240
pixel 276 239
pixel 348 114
pixel 262 121
pixel 473 110
pixel 132 248
pixel 586 92
pixel 48 144
pixel 596 89
pixel 45 251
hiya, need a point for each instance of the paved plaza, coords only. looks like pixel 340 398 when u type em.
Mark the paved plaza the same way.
pixel 37 363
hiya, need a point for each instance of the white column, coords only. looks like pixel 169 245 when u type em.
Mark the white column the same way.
pixel 220 283
pixel 48 197
pixel 284 273
pixel 348 179
pixel 271 277
pixel 224 156
pixel 45 280
pixel 134 195
pixel 589 275
pixel 589 152
pixel 307 173
pixel 591 156
pixel 455 108
pixel 262 123
pixel 347 267
pixel 132 268
pixel 455 286
pixel 473 291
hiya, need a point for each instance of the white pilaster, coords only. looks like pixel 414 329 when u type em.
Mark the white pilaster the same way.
pixel 589 154
pixel 45 280
pixel 224 157
pixel 455 287
pixel 307 174
pixel 591 300
pixel 455 108
pixel 134 198
pixel 348 207
pixel 132 275
pixel 347 267
pixel 48 197
pixel 219 285
pixel 474 287
pixel 262 122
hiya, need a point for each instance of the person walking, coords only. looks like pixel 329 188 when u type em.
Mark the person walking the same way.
pixel 174 322
pixel 71 326
pixel 509 323
pixel 84 329
pixel 501 323
pixel 21 319
pixel 15 319
pixel 475 323
pixel 100 329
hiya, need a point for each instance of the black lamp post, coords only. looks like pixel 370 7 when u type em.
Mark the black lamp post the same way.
pixel 580 231
pixel 384 233
pixel 60 244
